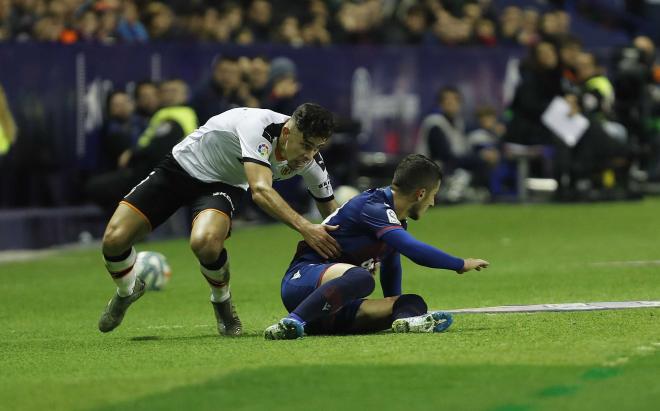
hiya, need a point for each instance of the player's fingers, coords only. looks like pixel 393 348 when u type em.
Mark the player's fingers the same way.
pixel 332 243
pixel 330 227
pixel 320 250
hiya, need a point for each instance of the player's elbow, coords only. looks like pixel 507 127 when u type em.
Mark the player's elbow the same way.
pixel 260 192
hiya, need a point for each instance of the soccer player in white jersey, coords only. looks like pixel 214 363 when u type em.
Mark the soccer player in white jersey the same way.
pixel 210 170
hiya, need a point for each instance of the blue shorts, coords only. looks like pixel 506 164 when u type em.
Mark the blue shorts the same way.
pixel 300 280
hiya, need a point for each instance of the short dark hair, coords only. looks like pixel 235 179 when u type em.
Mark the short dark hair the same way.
pixel 313 121
pixel 448 90
pixel 416 171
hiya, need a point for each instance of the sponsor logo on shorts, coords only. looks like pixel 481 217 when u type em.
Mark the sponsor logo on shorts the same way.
pixel 231 203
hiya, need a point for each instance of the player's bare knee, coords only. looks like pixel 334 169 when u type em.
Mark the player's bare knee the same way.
pixel 206 246
pixel 116 240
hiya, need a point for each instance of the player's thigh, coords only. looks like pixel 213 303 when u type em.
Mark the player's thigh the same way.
pixel 334 271
pixel 127 226
pixel 160 193
pixel 374 315
pixel 302 278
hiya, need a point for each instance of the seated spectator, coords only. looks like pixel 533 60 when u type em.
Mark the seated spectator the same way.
pixel 167 127
pixel 130 29
pixel 412 29
pixel 224 90
pixel 282 86
pixel 259 20
pixel 120 131
pixel 147 102
pixel 443 139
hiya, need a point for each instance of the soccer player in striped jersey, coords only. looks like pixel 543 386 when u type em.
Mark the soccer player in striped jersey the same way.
pixel 328 295
pixel 209 171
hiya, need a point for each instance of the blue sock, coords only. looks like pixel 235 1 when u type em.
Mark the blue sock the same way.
pixel 408 305
pixel 329 298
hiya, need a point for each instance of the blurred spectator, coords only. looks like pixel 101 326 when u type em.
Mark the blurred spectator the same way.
pixel 161 24
pixel 130 29
pixel 510 25
pixel 540 84
pixel 282 87
pixel 87 26
pixel 485 32
pixel 412 28
pixel 167 127
pixel 107 32
pixel 147 101
pixel 604 146
pixel 569 47
pixel 5 16
pixel 224 90
pixel 257 77
pixel 442 138
pixel 490 131
pixel 360 23
pixel 121 129
pixel 288 32
pixel 529 31
pixel 260 16
pixel 8 128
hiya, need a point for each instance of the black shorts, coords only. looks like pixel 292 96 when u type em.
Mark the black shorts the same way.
pixel 169 187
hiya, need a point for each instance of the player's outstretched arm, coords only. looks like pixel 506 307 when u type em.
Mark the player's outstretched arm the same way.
pixel 473 264
pixel 429 256
pixel 260 179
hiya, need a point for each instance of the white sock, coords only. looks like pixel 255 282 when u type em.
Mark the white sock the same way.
pixel 218 282
pixel 122 273
pixel 220 294
pixel 125 284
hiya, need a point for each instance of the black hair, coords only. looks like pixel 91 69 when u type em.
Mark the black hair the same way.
pixel 416 171
pixel 312 120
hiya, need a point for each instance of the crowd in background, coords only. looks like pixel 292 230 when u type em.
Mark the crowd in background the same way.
pixel 618 92
pixel 295 23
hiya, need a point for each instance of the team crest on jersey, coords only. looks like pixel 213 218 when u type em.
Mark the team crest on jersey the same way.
pixel 263 150
pixel 391 217
pixel 285 171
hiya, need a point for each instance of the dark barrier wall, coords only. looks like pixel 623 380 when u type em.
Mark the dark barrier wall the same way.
pixel 56 92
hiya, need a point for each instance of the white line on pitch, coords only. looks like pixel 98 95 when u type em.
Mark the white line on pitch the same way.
pixel 635 263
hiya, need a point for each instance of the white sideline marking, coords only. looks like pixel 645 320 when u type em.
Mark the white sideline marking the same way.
pixel 172 327
pixel 625 263
pixel 617 362
pixel 607 305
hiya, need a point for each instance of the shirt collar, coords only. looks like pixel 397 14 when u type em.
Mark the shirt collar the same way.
pixel 389 196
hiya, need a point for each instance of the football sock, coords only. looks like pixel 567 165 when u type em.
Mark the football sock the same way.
pixel 408 305
pixel 121 269
pixel 217 275
pixel 329 298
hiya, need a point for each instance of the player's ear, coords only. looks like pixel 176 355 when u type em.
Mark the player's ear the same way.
pixel 285 133
pixel 420 193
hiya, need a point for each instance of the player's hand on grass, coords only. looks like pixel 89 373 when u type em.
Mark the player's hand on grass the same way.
pixel 473 264
pixel 316 235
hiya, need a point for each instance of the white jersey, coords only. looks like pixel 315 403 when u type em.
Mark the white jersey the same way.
pixel 217 150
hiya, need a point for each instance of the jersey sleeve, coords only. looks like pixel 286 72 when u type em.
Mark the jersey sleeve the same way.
pixel 255 147
pixel 379 218
pixel 317 180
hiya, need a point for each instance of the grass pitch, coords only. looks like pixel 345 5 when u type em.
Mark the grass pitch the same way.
pixel 167 355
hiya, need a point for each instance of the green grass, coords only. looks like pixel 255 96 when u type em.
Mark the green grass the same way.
pixel 166 355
